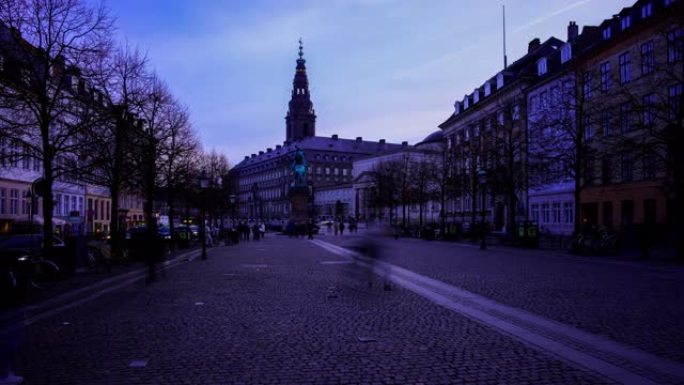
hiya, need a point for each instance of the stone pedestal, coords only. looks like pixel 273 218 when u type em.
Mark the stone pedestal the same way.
pixel 299 205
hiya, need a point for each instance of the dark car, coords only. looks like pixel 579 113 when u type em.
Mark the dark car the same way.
pixel 28 244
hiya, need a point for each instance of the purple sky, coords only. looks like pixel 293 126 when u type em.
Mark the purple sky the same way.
pixel 377 68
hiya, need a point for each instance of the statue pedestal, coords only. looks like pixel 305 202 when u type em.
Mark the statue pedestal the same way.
pixel 299 205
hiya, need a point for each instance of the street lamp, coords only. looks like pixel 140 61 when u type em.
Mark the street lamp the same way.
pixel 204 185
pixel 231 199
pixel 482 178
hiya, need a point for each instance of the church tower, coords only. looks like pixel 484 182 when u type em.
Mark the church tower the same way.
pixel 301 117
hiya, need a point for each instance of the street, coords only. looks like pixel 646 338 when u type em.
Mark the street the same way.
pixel 292 311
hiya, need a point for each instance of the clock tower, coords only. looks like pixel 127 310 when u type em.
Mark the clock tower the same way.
pixel 301 117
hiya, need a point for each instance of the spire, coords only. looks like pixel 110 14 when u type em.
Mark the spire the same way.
pixel 301 118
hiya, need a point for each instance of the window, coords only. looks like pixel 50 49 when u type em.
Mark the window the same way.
pixel 14 201
pixel 589 171
pixel 606 122
pixel 58 205
pixel 3 196
pixel 344 172
pixel 646 10
pixel 24 203
pixel 675 44
pixel 516 112
pixel 647 58
pixel 568 212
pixel 65 209
pixel 555 95
pixel 586 86
pixel 25 158
pixel 607 170
pixel 534 212
pixel 649 166
pixel 648 105
pixel 534 104
pixel 541 66
pixel 336 171
pixel 546 214
pixel 625 70
pixel 606 33
pixel 588 128
pixel 674 99
pixel 566 53
pixel 318 170
pixel 625 22
pixel 556 212
pixel 626 167
pixel 625 118
pixel 107 211
pixel 327 171
pixel 605 76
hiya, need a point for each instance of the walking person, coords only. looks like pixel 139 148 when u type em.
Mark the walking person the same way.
pixel 341 228
pixel 262 229
pixel 255 232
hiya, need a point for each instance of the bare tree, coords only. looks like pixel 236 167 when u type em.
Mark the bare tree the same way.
pixel 120 83
pixel 50 46
pixel 178 149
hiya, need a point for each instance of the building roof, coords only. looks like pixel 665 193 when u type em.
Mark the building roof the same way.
pixel 311 144
pixel 435 137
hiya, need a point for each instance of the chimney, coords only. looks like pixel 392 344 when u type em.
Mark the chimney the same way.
pixel 573 32
pixel 286 143
pixel 246 157
pixel 334 136
pixel 382 141
pixel 404 144
pixel 269 149
pixel 261 153
pixel 278 146
pixel 534 44
pixel 359 139
pixel 253 155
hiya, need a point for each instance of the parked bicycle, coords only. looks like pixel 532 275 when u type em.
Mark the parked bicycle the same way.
pixel 597 242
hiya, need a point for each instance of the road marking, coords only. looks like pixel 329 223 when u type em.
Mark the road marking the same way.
pixel 566 342
pixel 347 262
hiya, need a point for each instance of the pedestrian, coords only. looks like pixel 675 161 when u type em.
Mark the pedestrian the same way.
pixel 311 228
pixel 336 226
pixel 255 232
pixel 262 229
pixel 341 228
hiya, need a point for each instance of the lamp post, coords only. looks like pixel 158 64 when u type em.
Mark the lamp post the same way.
pixel 203 184
pixel 231 199
pixel 482 178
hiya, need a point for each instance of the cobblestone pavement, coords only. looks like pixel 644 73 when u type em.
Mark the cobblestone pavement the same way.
pixel 279 311
pixel 638 304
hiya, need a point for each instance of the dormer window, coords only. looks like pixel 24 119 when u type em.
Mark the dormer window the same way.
pixel 646 10
pixel 566 53
pixel 626 22
pixel 541 66
pixel 465 102
pixel 476 96
pixel 499 81
pixel 457 107
pixel 488 88
pixel 606 33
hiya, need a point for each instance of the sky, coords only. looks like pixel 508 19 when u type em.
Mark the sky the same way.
pixel 380 69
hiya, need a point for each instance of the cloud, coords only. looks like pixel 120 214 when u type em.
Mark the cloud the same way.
pixel 551 15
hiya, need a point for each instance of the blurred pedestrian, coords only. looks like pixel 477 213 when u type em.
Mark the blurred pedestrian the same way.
pixel 262 229
pixel 255 232
pixel 341 227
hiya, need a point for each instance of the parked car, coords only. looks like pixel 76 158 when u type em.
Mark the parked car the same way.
pixel 21 245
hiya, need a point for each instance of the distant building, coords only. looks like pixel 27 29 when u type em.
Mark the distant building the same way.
pixel 263 179
pixel 405 166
